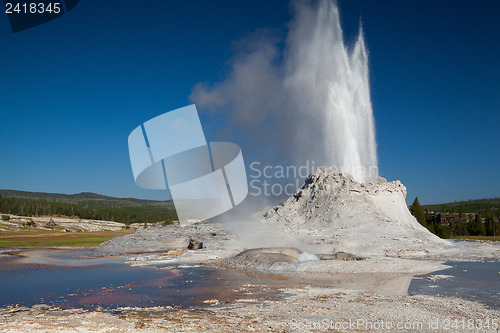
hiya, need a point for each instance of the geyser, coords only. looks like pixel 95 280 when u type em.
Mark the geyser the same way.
pixel 308 100
pixel 330 85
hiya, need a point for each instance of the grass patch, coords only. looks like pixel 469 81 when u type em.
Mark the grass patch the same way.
pixel 489 238
pixel 44 238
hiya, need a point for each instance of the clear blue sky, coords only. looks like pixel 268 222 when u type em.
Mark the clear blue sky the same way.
pixel 73 89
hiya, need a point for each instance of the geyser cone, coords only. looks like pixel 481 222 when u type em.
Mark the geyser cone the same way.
pixel 335 213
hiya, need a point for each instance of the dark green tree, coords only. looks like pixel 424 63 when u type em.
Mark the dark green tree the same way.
pixel 442 230
pixel 430 222
pixel 476 226
pixel 417 210
pixel 489 223
pixel 461 229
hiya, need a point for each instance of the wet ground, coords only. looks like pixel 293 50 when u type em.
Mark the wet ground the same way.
pixel 70 278
pixel 75 278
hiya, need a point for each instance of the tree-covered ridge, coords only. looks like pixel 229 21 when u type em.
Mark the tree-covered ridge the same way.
pixel 83 197
pixel 466 218
pixel 469 206
pixel 86 206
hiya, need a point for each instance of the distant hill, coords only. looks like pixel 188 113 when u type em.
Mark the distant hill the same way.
pixel 87 205
pixel 83 197
pixel 469 206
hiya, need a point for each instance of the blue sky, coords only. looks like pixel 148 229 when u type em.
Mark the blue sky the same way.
pixel 73 89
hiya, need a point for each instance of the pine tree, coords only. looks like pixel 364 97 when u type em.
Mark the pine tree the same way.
pixel 476 226
pixel 418 211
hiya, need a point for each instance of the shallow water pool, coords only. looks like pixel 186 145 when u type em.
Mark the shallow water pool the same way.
pixel 76 278
pixel 478 281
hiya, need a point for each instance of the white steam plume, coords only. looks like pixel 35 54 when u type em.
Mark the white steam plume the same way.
pixel 306 97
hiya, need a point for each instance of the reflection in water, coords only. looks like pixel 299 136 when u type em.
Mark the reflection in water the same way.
pixel 387 284
pixel 64 257
pixel 64 278
pixel 478 281
pixel 76 278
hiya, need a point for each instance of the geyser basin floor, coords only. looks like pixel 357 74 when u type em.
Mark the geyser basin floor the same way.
pixel 75 278
pixel 70 278
pixel 293 309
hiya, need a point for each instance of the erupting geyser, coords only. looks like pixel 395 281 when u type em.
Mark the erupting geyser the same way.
pixel 331 84
pixel 309 99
